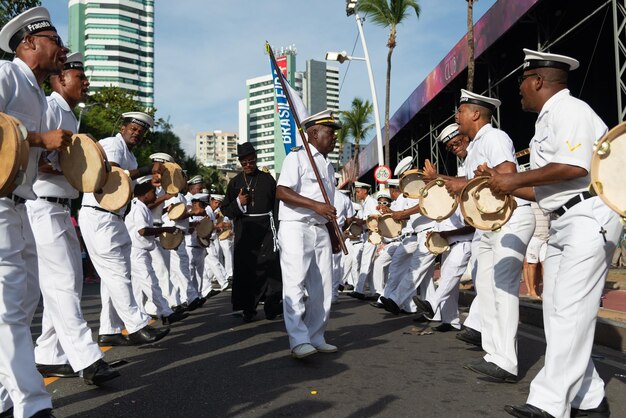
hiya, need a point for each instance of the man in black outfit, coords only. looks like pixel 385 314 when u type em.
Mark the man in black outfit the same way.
pixel 250 202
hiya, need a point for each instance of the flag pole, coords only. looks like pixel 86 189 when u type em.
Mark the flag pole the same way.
pixel 334 225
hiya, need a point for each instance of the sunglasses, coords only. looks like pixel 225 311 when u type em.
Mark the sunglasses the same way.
pixel 383 202
pixel 248 162
pixel 55 38
pixel 521 78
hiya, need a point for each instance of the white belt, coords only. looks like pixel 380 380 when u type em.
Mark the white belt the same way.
pixel 272 225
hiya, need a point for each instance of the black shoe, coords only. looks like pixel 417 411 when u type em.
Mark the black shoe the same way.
pixel 377 305
pixel 56 370
pixel 601 411
pixel 340 288
pixel 424 306
pixel 174 317
pixel 495 373
pixel 443 328
pixel 248 316
pixel 194 304
pixel 44 413
pixel 105 340
pixel 420 318
pixel 348 288
pixel 390 305
pixel 357 295
pixel 202 301
pixel 179 309
pixel 7 414
pixel 526 410
pixel 373 297
pixel 98 373
pixel 147 335
pixel 470 336
pixel 213 292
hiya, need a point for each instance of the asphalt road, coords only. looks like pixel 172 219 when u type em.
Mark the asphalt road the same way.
pixel 214 365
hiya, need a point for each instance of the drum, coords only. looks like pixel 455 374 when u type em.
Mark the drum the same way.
pixel 372 222
pixel 436 203
pixel 486 201
pixel 84 164
pixel 204 228
pixel 436 244
pixel 172 178
pixel 116 192
pixel 171 240
pixel 375 238
pixel 225 234
pixel 355 229
pixel 13 153
pixel 204 242
pixel 389 227
pixel 412 183
pixel 177 211
pixel 477 217
pixel 608 169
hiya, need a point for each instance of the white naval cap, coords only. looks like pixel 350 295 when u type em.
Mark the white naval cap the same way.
pixel 195 180
pixel 161 157
pixel 218 197
pixel 402 166
pixel 74 61
pixel 448 133
pixel 139 118
pixel 344 191
pixel 204 191
pixel 477 99
pixel 393 183
pixel 536 59
pixel 30 22
pixel 202 197
pixel 144 179
pixel 384 193
pixel 359 184
pixel 326 117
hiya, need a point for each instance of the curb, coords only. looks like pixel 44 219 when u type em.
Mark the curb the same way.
pixel 610 333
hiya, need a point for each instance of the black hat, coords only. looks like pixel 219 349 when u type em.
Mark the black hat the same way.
pixel 245 149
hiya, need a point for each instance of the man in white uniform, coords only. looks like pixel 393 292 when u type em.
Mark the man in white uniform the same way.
pixel 65 335
pixel 367 255
pixel 500 252
pixel 345 213
pixel 109 244
pixel 305 245
pixel 39 52
pixel 227 244
pixel 583 235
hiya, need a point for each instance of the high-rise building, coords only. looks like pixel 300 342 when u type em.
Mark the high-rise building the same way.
pixel 116 38
pixel 216 148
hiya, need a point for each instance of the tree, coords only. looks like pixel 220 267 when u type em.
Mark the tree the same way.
pixel 102 114
pixel 470 45
pixel 389 14
pixel 341 141
pixel 11 8
pixel 356 123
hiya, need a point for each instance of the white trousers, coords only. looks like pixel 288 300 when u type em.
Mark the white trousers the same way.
pixel 65 335
pixel 473 318
pixel 213 267
pixel 306 260
pixel 575 270
pixel 445 299
pixel 196 257
pixel 21 385
pixel 365 268
pixel 399 264
pixel 352 262
pixel 228 250
pixel 500 257
pixel 146 283
pixel 338 262
pixel 161 265
pixel 108 243
pixel 381 265
pixel 180 274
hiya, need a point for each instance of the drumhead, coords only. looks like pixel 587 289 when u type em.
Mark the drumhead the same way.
pixel 355 229
pixel 375 238
pixel 412 184
pixel 480 220
pixel 608 169
pixel 10 154
pixel 436 203
pixel 171 240
pixel 172 178
pixel 204 228
pixel 389 227
pixel 83 164
pixel 372 222
pixel 488 202
pixel 436 244
pixel 225 234
pixel 116 192
pixel 177 211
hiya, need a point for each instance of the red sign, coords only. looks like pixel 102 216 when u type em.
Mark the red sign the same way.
pixel 382 174
pixel 282 64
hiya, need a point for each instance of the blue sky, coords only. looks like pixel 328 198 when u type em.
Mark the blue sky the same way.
pixel 206 49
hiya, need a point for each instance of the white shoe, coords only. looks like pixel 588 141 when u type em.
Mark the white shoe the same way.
pixel 326 348
pixel 303 350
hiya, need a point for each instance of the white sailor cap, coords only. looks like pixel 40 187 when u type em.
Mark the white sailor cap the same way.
pixel 393 183
pixel 536 59
pixel 30 22
pixel 448 133
pixel 326 117
pixel 218 197
pixel 344 191
pixel 359 184
pixel 144 179
pixel 477 99
pixel 74 61
pixel 139 118
pixel 384 193
pixel 161 157
pixel 402 166
pixel 195 180
pixel 202 197
pixel 204 191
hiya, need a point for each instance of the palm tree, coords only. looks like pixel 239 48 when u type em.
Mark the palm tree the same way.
pixel 470 45
pixel 389 14
pixel 341 141
pixel 356 124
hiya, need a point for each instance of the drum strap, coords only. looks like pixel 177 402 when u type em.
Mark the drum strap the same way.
pixel 103 210
pixel 573 201
pixel 272 226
